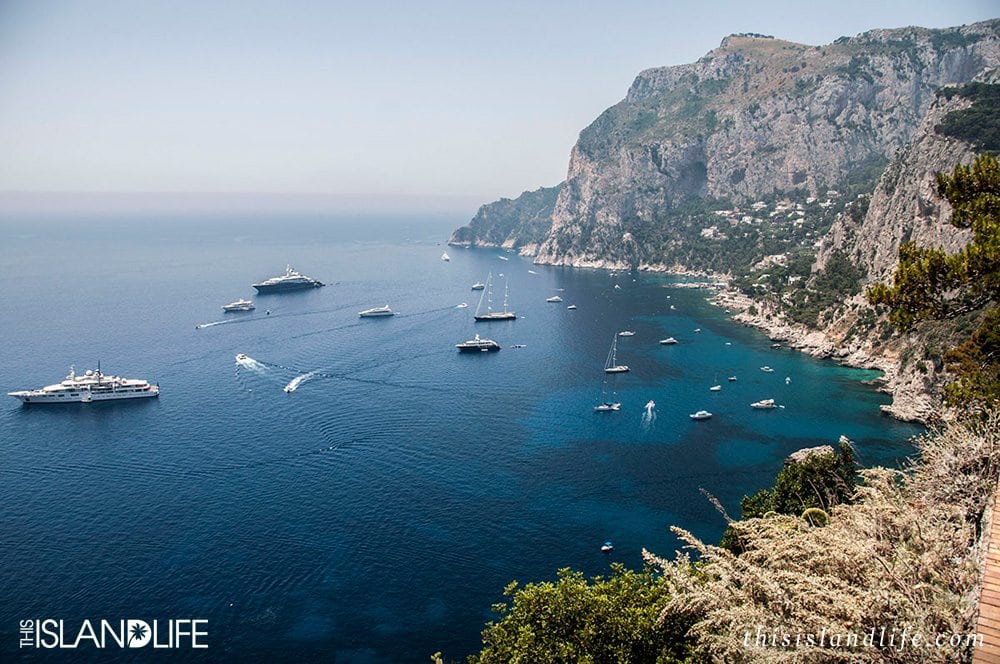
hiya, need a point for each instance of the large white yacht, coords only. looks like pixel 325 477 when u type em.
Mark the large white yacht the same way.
pixel 290 280
pixel 477 345
pixel 91 386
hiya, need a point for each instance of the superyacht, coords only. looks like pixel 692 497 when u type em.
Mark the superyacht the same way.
pixel 289 281
pixel 91 386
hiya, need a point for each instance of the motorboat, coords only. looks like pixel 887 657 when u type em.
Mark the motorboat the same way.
pixel 669 341
pixel 626 333
pixel 239 305
pixel 554 298
pixel 700 415
pixel 376 312
pixel 764 404
pixel 477 345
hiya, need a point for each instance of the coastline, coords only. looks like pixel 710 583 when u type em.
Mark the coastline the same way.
pixel 915 394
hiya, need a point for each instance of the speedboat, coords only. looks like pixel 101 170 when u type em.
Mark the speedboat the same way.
pixel 764 404
pixel 607 407
pixel 697 329
pixel 700 415
pixel 626 333
pixel 445 257
pixel 715 388
pixel 669 341
pixel 767 369
pixel 607 547
pixel 461 305
pixel 732 379
pixel 572 307
pixel 775 346
pixel 376 312
pixel 554 298
pixel 239 305
pixel 478 286
pixel 788 380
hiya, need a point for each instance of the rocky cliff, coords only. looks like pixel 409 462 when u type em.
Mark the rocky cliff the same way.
pixel 757 116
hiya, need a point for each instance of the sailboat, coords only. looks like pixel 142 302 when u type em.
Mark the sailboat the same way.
pixel 611 364
pixel 606 405
pixel 488 295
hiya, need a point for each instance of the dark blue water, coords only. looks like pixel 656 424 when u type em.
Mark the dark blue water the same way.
pixel 374 514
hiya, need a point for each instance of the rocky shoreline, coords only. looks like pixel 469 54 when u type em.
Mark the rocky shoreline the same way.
pixel 915 396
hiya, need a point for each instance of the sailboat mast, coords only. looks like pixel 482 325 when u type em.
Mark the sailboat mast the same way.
pixel 506 284
pixel 483 294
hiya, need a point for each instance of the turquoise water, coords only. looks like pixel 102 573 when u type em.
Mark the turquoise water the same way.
pixel 375 513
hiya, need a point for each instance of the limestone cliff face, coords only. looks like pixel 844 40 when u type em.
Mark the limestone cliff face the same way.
pixel 905 204
pixel 511 223
pixel 753 117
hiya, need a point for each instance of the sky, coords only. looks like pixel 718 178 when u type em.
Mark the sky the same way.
pixel 393 100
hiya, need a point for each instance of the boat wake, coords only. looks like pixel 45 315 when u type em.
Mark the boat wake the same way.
pixel 649 415
pixel 213 324
pixel 298 380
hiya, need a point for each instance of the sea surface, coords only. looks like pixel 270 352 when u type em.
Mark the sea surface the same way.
pixel 375 512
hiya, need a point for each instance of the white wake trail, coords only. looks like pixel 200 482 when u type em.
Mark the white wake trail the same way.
pixel 298 380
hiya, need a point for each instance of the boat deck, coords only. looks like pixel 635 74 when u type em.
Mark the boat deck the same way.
pixel 989 602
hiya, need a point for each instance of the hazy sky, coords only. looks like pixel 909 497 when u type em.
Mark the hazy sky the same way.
pixel 479 99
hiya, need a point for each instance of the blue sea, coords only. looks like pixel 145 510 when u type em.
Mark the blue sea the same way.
pixel 376 512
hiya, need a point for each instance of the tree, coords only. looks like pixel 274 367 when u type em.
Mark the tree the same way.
pixel 819 481
pixel 931 284
pixel 612 620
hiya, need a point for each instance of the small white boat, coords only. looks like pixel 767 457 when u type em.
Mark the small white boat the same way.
pixel 775 346
pixel 242 358
pixel 532 272
pixel 554 298
pixel 788 380
pixel 729 343
pixel 463 305
pixel 503 258
pixel 767 369
pixel 764 404
pixel 519 346
pixel 375 312
pixel 626 333
pixel 617 287
pixel 239 305
pixel 445 257
pixel 478 286
pixel 715 388
pixel 571 307
pixel 700 415
pixel 607 407
pixel 732 379
pixel 607 547
pixel 697 329
pixel 669 341
pixel 673 308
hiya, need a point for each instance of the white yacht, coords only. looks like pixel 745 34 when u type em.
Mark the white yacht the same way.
pixel 669 341
pixel 489 314
pixel 239 305
pixel 289 281
pixel 445 257
pixel 477 345
pixel 715 388
pixel 611 363
pixel 375 312
pixel 608 407
pixel 572 307
pixel 764 404
pixel 700 415
pixel 626 333
pixel 554 298
pixel 91 386
pixel 478 286
pixel 767 369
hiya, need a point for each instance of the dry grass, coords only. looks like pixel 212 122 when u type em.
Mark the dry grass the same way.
pixel 907 554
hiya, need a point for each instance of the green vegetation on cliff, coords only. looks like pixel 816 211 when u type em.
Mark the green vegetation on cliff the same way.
pixel 930 284
pixel 980 123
